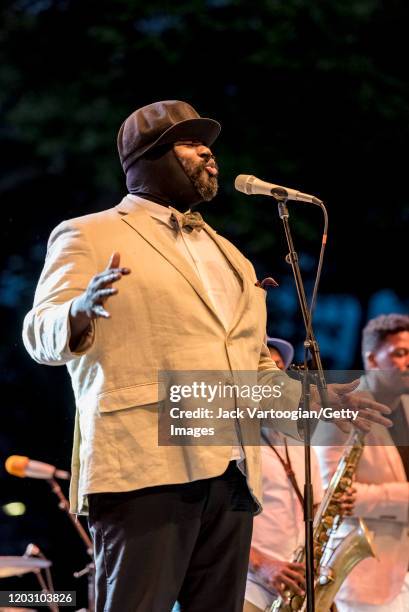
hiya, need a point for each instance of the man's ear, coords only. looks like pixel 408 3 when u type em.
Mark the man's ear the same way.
pixel 370 361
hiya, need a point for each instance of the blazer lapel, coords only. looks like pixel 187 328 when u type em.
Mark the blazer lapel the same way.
pixel 137 218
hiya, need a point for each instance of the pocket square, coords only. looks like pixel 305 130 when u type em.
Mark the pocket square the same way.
pixel 266 282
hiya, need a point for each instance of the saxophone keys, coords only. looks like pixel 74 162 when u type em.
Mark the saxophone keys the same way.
pixel 317 553
pixel 344 483
pixel 326 576
pixel 332 510
pixel 297 602
pixel 328 521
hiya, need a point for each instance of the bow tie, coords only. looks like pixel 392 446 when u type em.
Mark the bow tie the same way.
pixel 189 220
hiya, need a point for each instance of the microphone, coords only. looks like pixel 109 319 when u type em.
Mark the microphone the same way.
pixel 251 185
pixel 23 467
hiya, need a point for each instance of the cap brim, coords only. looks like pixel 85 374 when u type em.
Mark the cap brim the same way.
pixel 205 130
pixel 202 129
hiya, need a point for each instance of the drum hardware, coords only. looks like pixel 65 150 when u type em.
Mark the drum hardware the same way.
pixel 89 570
pixel 49 473
pixel 17 566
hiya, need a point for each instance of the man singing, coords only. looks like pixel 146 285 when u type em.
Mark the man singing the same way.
pixel 168 522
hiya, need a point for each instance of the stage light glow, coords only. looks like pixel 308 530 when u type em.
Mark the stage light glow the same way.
pixel 14 509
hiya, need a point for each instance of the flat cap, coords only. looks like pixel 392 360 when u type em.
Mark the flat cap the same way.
pixel 162 123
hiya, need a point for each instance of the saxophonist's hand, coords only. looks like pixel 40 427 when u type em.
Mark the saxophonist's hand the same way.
pixel 347 501
pixel 278 576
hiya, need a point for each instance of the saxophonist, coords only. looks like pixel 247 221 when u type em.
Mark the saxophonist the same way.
pixel 279 530
pixel 380 585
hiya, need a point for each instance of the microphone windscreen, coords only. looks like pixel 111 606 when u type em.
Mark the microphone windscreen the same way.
pixel 241 182
pixel 16 465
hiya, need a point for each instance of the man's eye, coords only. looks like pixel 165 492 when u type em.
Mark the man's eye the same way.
pixel 400 352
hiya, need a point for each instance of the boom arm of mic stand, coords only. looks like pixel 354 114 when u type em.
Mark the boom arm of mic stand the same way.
pixel 310 342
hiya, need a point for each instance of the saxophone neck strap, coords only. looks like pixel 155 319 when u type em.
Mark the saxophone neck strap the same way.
pixel 288 468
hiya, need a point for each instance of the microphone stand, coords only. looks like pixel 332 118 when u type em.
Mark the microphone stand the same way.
pixel 311 346
pixel 90 568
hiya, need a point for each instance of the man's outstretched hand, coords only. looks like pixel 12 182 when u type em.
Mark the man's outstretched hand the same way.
pixel 344 396
pixel 90 304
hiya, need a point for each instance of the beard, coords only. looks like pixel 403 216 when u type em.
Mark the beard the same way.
pixel 205 184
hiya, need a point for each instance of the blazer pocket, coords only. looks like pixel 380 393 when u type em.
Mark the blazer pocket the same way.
pixel 128 397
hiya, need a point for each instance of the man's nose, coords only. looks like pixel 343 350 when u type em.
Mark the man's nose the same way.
pixel 205 152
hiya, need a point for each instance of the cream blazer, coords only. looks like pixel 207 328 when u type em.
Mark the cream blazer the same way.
pixel 161 319
pixel 383 502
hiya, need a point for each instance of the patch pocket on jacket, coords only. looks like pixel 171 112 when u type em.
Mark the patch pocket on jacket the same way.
pixel 128 397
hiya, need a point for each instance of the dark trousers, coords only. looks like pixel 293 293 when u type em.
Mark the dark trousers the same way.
pixel 187 542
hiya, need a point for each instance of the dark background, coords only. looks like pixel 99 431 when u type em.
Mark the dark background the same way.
pixel 312 95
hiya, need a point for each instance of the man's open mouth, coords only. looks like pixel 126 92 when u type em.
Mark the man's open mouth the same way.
pixel 212 170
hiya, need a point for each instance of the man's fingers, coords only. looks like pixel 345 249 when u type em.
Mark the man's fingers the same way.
pixel 369 411
pixel 99 311
pixel 362 425
pixel 114 264
pixel 373 417
pixel 363 402
pixel 285 584
pixel 345 388
pixel 293 575
pixel 108 277
pixel 292 584
pixel 347 504
pixel 100 287
pixel 114 260
pixel 298 567
pixel 372 405
pixel 350 493
pixel 105 293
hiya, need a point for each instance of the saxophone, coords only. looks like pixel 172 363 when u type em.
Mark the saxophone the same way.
pixel 333 565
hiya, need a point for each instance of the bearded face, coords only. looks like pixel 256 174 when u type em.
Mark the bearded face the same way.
pixel 200 166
